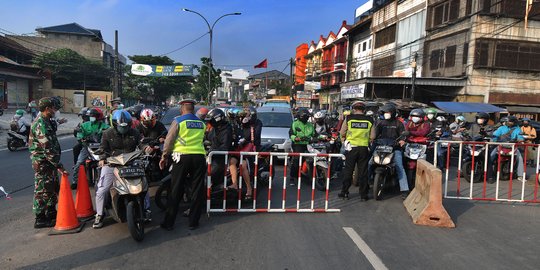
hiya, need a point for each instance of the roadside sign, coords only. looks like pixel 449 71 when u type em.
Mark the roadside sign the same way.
pixel 161 71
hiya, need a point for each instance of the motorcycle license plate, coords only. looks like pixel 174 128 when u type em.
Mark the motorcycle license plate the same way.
pixel 131 172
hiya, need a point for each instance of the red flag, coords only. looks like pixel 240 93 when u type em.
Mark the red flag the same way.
pixel 263 64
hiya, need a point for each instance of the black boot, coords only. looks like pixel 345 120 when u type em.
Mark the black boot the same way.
pixel 43 222
pixel 343 195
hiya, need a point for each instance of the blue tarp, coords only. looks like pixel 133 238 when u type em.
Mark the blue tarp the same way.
pixel 467 107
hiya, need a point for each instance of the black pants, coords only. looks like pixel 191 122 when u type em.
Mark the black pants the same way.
pixel 297 148
pixel 358 156
pixel 194 166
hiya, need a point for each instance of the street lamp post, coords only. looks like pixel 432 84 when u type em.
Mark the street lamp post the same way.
pixel 211 32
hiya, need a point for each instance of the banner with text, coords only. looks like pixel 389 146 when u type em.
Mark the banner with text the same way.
pixel 161 71
pixel 352 91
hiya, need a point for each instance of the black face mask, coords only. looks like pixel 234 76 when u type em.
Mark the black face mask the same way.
pixel 304 119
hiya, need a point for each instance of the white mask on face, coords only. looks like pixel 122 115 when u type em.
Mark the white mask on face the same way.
pixel 480 121
pixel 387 116
pixel 246 120
pixel 415 119
pixel 92 119
pixel 430 116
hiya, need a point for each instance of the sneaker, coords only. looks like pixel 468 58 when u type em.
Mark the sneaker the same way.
pixel 98 223
pixel 147 215
pixel 520 179
pixel 404 194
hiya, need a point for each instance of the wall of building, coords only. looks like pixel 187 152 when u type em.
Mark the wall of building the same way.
pixel 84 46
pixel 73 99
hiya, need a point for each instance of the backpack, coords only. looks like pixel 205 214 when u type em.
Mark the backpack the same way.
pixel 14 126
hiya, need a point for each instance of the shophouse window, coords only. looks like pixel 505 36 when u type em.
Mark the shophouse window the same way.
pixel 385 36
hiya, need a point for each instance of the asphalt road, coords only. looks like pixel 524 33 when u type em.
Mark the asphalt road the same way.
pixel 488 236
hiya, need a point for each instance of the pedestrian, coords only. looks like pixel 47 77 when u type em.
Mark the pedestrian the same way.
pixel 184 144
pixel 45 155
pixel 356 133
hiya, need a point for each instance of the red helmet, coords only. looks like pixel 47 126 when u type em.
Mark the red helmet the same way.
pixel 148 118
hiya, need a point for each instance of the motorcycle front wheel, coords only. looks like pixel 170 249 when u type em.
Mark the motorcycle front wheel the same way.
pixel 378 186
pixel 135 220
pixel 478 172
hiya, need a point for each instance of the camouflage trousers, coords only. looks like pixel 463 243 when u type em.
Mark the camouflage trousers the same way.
pixel 45 189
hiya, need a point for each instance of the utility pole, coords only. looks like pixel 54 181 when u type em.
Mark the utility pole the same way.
pixel 293 75
pixel 116 83
pixel 413 77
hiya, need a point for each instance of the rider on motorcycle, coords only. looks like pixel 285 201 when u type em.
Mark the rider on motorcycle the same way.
pixel 151 128
pixel 320 124
pixel 78 146
pixel 457 128
pixel 333 120
pixel 510 132
pixel 481 128
pixel 301 133
pixel 89 131
pixel 416 126
pixel 386 132
pixel 22 124
pixel 120 139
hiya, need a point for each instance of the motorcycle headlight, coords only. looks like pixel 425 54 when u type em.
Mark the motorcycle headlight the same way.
pixel 310 148
pixel 377 159
pixel 387 160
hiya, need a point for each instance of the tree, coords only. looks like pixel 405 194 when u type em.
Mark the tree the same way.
pixel 160 88
pixel 200 87
pixel 71 70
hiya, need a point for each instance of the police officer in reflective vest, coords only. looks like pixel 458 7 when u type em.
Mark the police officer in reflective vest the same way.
pixel 355 133
pixel 184 144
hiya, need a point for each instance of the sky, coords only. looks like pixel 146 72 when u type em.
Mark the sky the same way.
pixel 269 29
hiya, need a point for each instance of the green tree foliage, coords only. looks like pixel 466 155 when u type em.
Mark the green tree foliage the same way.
pixel 158 88
pixel 70 70
pixel 200 87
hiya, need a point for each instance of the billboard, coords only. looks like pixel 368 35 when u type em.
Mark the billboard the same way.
pixel 161 71
pixel 352 91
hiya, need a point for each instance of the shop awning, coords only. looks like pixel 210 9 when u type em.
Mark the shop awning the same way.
pixel 467 107
pixel 520 109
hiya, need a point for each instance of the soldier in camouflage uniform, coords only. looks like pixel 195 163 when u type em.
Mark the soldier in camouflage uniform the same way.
pixel 45 155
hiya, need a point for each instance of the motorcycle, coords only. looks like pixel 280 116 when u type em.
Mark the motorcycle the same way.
pixel 93 171
pixel 321 165
pixel 128 191
pixel 384 169
pixel 479 153
pixel 415 149
pixel 506 154
pixel 15 140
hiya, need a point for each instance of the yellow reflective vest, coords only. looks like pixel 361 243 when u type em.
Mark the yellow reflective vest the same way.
pixel 359 129
pixel 190 135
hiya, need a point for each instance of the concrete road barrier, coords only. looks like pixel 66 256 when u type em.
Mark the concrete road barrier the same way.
pixel 424 203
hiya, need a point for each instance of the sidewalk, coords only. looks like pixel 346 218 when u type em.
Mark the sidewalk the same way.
pixel 64 129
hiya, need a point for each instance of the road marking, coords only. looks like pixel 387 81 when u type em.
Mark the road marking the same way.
pixel 67 150
pixel 370 255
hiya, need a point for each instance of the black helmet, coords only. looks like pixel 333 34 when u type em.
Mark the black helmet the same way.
pixel 135 111
pixel 215 117
pixel 303 115
pixel 388 108
pixel 418 112
pixel 512 119
pixel 482 115
pixel 334 114
pixel 56 103
pixel 503 120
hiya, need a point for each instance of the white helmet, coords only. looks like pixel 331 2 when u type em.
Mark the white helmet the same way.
pixel 319 115
pixel 147 115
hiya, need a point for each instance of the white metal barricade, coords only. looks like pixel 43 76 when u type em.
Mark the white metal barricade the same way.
pixel 268 209
pixel 473 160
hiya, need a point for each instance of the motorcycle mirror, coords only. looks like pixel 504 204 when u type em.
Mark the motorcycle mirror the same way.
pixel 406 133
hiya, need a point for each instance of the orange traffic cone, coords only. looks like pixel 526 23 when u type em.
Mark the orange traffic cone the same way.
pixel 83 201
pixel 66 217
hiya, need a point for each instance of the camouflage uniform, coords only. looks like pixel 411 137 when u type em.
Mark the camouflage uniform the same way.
pixel 45 155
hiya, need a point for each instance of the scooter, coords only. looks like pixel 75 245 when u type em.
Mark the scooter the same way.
pixel 15 140
pixel 384 169
pixel 93 171
pixel 415 149
pixel 506 157
pixel 321 164
pixel 479 153
pixel 128 191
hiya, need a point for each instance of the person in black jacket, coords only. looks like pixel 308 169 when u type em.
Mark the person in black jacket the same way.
pixel 119 139
pixel 220 137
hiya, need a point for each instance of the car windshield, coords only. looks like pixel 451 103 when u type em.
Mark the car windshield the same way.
pixel 173 112
pixel 273 119
pixel 276 104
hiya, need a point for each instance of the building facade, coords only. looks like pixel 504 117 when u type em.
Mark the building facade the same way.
pixel 232 85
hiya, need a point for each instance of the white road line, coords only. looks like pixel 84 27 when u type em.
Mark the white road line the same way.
pixel 370 255
pixel 67 150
